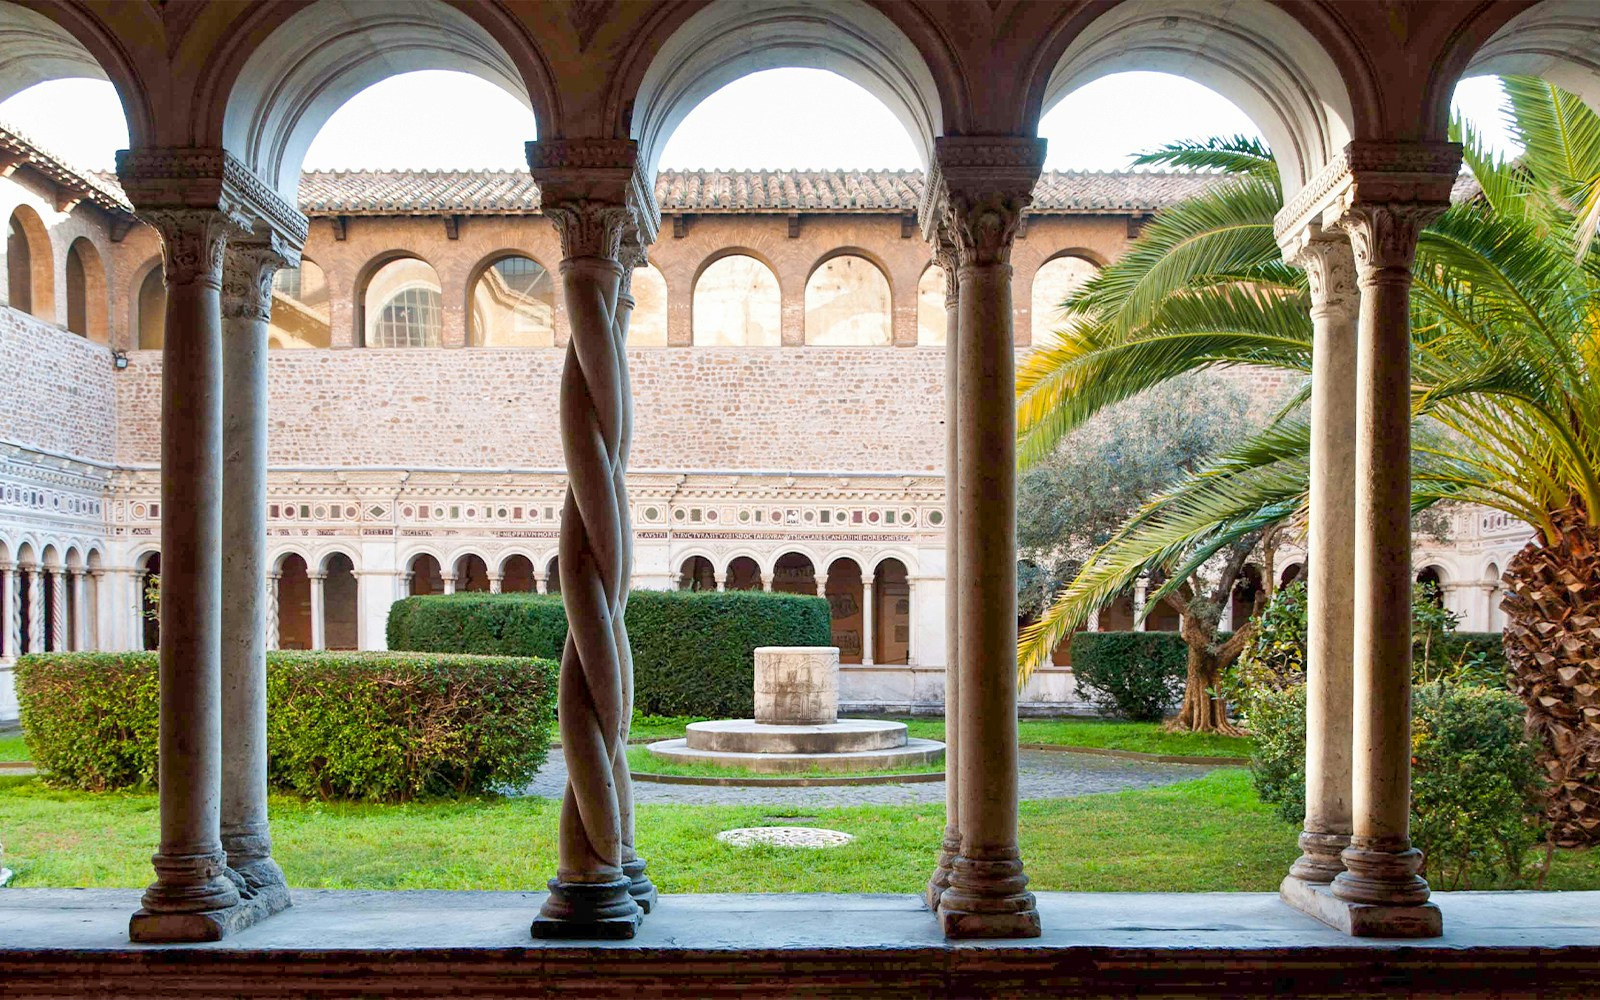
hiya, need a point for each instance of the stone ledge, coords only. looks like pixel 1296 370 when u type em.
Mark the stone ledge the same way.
pixel 1361 919
pixel 57 943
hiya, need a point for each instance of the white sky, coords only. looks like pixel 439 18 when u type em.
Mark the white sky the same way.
pixel 778 119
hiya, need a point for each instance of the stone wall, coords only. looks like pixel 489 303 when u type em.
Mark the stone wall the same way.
pixel 56 393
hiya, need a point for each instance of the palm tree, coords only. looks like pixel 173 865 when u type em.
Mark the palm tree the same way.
pixel 1506 370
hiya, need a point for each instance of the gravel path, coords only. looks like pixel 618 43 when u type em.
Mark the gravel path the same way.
pixel 1043 774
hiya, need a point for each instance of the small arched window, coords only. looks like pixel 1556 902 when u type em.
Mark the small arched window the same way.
pixel 152 310
pixel 1052 283
pixel 403 306
pixel 736 304
pixel 30 270
pixel 86 292
pixel 514 305
pixel 933 322
pixel 300 316
pixel 647 326
pixel 847 304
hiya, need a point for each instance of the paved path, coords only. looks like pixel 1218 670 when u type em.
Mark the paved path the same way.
pixel 1044 775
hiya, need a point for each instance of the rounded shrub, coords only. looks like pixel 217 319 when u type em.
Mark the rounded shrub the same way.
pixel 1131 675
pixel 693 652
pixel 378 726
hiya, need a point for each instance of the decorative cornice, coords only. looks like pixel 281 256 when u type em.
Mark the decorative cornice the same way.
pixel 598 171
pixel 190 177
pixel 1370 171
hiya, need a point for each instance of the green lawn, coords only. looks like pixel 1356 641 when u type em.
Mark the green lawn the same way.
pixel 12 747
pixel 1141 737
pixel 641 759
pixel 1207 834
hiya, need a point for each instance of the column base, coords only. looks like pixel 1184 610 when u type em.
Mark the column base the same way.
pixel 1361 919
pixel 1321 857
pixel 940 880
pixel 145 927
pixel 589 911
pixel 640 887
pixel 987 899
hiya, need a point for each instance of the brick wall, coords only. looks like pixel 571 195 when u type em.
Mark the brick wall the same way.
pixel 56 393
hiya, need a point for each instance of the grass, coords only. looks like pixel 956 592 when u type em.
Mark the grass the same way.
pixel 1209 834
pixel 640 759
pixel 12 748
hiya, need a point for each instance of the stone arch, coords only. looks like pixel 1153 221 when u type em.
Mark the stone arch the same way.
pixel 1252 52
pixel 148 324
pixel 471 573
pixel 400 302
pixel 891 611
pixel 552 575
pixel 1552 39
pixel 272 98
pixel 516 573
pixel 794 571
pixel 341 601
pixel 88 302
pixel 697 573
pixel 30 265
pixel 294 601
pixel 426 574
pixel 507 308
pixel 845 592
pixel 933 321
pixel 728 39
pixel 744 573
pixel 1292 573
pixel 736 300
pixel 63 41
pixel 848 301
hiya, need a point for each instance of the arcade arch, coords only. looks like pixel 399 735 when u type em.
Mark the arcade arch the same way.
pixel 516 575
pixel 736 303
pixel 698 574
pixel 150 309
pixel 30 265
pixel 341 625
pixel 847 304
pixel 647 324
pixel 402 306
pixel 294 603
pixel 471 574
pixel 933 323
pixel 1056 279
pixel 513 304
pixel 88 304
pixel 426 575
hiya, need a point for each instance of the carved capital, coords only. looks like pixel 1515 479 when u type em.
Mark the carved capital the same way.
pixel 1330 267
pixel 192 242
pixel 1383 235
pixel 977 190
pixel 574 171
pixel 947 259
pixel 247 272
pixel 590 228
pixel 984 225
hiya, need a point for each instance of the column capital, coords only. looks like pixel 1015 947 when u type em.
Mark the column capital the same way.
pixel 947 259
pixel 979 188
pixel 593 190
pixel 248 266
pixel 1383 235
pixel 1371 172
pixel 316 577
pixel 207 177
pixel 1329 262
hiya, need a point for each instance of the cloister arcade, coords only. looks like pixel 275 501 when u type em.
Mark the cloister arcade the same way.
pixel 1352 97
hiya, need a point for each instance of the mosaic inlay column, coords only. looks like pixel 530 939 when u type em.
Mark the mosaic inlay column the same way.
pixel 593 195
pixel 60 612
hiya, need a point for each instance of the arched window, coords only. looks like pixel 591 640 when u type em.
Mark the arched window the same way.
pixel 294 604
pixel 86 292
pixel 932 320
pixel 697 574
pixel 736 304
pixel 516 575
pixel 744 573
pixel 514 305
pixel 847 304
pixel 844 608
pixel 300 316
pixel 647 326
pixel 426 577
pixel 152 310
pixel 340 629
pixel 472 575
pixel 1052 283
pixel 403 306
pixel 30 271
pixel 891 613
pixel 794 574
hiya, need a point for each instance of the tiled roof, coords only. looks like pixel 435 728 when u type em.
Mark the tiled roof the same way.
pixel 17 149
pixel 418 192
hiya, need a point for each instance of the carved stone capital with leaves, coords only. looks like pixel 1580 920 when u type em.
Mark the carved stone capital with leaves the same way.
pixel 947 260
pixel 590 228
pixel 247 272
pixel 1383 235
pixel 1330 267
pixel 192 243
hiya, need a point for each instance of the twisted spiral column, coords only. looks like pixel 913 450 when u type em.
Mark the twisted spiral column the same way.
pixel 591 894
pixel 35 584
pixel 59 612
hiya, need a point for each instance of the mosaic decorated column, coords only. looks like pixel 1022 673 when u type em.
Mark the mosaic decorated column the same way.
pixel 944 254
pixel 1381 866
pixel 594 195
pixel 34 576
pixel 1330 555
pixel 249 607
pixel 60 612
pixel 986 184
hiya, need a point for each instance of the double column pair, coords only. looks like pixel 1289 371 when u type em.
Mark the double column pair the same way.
pixel 605 213
pixel 223 237
pixel 976 194
pixel 1358 871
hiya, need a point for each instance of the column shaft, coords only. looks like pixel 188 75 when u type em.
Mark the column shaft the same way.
pixel 319 616
pixel 35 578
pixel 60 611
pixel 10 610
pixel 945 256
pixel 869 635
pixel 1330 558
pixel 80 610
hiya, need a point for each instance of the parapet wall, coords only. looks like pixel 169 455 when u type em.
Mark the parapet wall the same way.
pixel 56 390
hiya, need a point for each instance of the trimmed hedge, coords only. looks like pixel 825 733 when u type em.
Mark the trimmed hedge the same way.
pixel 693 652
pixel 1133 675
pixel 379 726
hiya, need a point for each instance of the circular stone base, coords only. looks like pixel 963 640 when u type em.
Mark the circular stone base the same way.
pixel 750 736
pixel 914 753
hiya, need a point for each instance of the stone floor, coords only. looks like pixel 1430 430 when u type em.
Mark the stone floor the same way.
pixel 1042 775
pixel 56 942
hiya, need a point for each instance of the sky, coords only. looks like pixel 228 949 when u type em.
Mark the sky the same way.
pixel 777 119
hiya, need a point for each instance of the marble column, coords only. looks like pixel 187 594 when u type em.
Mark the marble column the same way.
pixel 822 586
pixel 987 185
pixel 721 581
pixel 539 583
pixel 1141 588
pixel 1330 555
pixel 80 610
pixel 190 873
pixel 60 610
pixel 10 612
pixel 1381 866
pixel 594 195
pixel 247 608
pixel 319 611
pixel 944 254
pixel 495 581
pixel 1093 624
pixel 868 626
pixel 449 582
pixel 34 575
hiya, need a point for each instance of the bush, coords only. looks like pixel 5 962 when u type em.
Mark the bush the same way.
pixel 1134 675
pixel 693 652
pixel 1475 784
pixel 379 726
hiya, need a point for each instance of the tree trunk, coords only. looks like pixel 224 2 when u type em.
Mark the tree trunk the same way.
pixel 1552 641
pixel 1203 711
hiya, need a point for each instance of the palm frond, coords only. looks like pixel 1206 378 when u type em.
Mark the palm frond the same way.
pixel 1235 154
